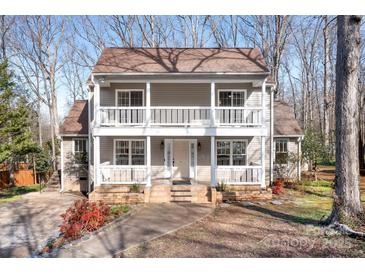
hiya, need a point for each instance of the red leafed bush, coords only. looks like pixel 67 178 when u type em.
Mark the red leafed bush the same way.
pixel 278 186
pixel 83 216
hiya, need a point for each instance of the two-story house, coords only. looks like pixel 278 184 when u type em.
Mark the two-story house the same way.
pixel 161 118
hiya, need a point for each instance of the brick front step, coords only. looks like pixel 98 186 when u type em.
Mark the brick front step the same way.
pixel 164 193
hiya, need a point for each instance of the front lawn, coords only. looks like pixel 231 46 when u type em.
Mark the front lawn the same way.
pixel 289 227
pixel 12 194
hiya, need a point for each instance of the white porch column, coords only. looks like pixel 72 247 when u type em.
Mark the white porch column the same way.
pixel 62 166
pixel 148 160
pixel 263 104
pixel 97 177
pixel 96 102
pixel 213 165
pixel 263 184
pixel 263 123
pixel 148 103
pixel 212 103
pixel 299 160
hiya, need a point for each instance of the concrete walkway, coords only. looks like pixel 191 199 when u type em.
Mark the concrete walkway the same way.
pixel 150 221
pixel 27 223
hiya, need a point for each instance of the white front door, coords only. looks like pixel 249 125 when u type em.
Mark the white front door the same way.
pixel 181 159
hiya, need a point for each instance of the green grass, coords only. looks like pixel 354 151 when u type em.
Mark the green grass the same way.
pixel 119 209
pixel 311 201
pixel 12 194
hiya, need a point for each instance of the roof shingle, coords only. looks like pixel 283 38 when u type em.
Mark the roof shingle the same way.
pixel 76 121
pixel 181 60
pixel 285 123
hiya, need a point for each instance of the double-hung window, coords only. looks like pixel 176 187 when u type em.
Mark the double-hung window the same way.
pixel 129 98
pixel 80 151
pixel 129 152
pixel 281 151
pixel 231 152
pixel 232 98
pixel 232 102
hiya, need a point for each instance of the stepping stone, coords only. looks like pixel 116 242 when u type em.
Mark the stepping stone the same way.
pixel 277 202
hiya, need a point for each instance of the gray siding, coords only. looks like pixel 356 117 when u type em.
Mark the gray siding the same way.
pixel 70 172
pixel 180 94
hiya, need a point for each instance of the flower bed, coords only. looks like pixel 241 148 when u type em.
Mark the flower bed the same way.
pixel 82 218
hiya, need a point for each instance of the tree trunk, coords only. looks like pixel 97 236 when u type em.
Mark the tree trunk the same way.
pixel 326 125
pixel 347 204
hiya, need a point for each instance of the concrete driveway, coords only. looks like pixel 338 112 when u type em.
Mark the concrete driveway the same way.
pixel 147 223
pixel 26 224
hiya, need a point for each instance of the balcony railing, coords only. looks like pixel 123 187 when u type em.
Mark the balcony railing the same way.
pixel 238 116
pixel 122 116
pixel 114 174
pixel 180 116
pixel 239 174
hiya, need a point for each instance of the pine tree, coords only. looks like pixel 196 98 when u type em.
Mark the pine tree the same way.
pixel 15 137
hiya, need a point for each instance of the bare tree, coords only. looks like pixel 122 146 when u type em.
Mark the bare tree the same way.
pixel 37 43
pixel 347 204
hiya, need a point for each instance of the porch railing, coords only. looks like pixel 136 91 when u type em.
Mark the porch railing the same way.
pixel 238 116
pixel 239 174
pixel 114 174
pixel 122 116
pixel 180 116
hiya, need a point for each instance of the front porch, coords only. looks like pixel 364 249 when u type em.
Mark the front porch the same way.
pixel 196 160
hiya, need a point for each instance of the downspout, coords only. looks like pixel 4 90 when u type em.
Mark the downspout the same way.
pixel 299 167
pixel 88 140
pixel 271 135
pixel 62 168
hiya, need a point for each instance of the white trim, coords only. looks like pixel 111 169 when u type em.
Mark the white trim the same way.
pixel 148 103
pixel 178 73
pixel 263 104
pixel 231 150
pixel 96 103
pixel 148 160
pixel 74 135
pixel 299 155
pixel 73 143
pixel 233 90
pixel 271 136
pixel 263 179
pixel 62 176
pixel 288 136
pixel 129 150
pixel 129 91
pixel 287 147
pixel 212 104
pixel 180 131
pixel 193 166
pixel 213 161
pixel 97 177
pixel 168 169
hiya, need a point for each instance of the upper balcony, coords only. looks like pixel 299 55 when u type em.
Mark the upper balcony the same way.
pixel 180 105
pixel 180 116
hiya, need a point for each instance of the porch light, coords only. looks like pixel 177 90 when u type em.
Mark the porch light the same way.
pixel 162 145
pixel 199 146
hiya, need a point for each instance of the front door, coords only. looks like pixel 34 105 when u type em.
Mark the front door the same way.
pixel 181 159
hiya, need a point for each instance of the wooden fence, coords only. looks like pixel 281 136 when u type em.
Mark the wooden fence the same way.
pixel 23 176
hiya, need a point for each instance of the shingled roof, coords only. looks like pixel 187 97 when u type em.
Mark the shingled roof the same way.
pixel 181 60
pixel 76 121
pixel 285 123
